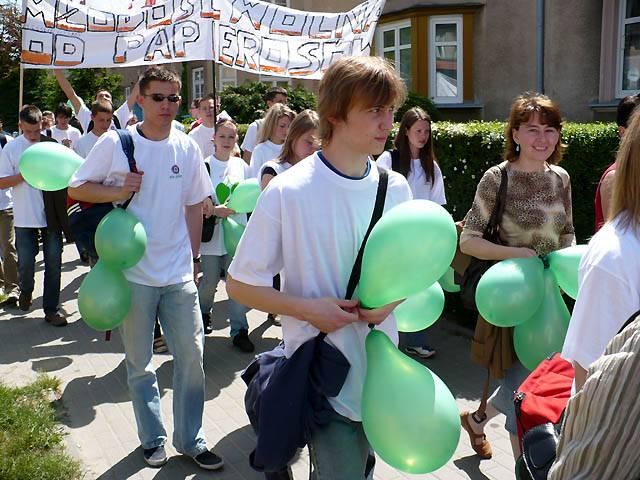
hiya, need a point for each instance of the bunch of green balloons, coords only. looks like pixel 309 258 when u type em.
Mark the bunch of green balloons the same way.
pixel 104 298
pixel 241 198
pixel 525 293
pixel 409 415
pixel 48 165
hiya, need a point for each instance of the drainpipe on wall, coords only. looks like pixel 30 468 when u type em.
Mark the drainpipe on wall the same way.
pixel 540 45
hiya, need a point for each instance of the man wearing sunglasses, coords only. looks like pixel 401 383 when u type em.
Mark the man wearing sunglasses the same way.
pixel 167 193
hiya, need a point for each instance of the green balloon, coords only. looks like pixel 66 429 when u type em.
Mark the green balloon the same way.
pixel 245 196
pixel 409 249
pixel 231 233
pixel 421 310
pixel 104 298
pixel 49 165
pixel 120 239
pixel 543 334
pixel 564 266
pixel 222 192
pixel 447 282
pixel 409 415
pixel 511 291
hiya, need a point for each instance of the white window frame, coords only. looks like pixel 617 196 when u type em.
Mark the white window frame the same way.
pixel 127 92
pixel 380 48
pixel 437 20
pixel 273 81
pixel 197 83
pixel 620 93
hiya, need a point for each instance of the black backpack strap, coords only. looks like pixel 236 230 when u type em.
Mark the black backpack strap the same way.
pixel 395 160
pixel 116 122
pixel 126 140
pixel 3 140
pixel 491 232
pixel 628 322
pixel 48 133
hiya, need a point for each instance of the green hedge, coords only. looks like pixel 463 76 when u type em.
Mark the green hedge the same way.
pixel 466 150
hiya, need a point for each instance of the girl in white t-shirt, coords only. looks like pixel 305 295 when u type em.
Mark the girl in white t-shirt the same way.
pixel 226 169
pixel 273 133
pixel 413 157
pixel 302 141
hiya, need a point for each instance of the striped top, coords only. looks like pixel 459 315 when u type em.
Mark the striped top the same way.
pixel 601 431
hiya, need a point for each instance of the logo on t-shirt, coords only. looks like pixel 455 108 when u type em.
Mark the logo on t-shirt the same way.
pixel 175 169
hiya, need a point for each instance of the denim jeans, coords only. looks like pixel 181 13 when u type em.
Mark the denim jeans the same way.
pixel 28 247
pixel 414 339
pixel 339 450
pixel 177 308
pixel 210 266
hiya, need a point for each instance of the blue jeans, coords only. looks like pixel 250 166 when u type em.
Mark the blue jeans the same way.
pixel 28 247
pixel 339 450
pixel 177 308
pixel 210 266
pixel 414 339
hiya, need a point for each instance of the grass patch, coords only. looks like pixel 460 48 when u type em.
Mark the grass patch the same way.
pixel 31 441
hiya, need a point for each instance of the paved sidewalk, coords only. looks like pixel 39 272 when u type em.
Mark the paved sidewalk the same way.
pixel 97 413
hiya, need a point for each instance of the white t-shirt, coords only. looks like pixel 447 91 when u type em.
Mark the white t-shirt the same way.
pixel 277 167
pixel 204 138
pixel 420 187
pixel 230 172
pixel 71 133
pixel 5 194
pixel 174 177
pixel 309 223
pixel 251 137
pixel 84 116
pixel 263 152
pixel 85 144
pixel 609 278
pixel 28 204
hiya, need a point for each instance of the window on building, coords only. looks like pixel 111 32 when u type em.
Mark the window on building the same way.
pixel 127 92
pixel 393 42
pixel 445 59
pixel 197 82
pixel 628 77
pixel 275 81
pixel 227 76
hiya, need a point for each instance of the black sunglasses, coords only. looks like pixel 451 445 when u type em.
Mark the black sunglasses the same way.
pixel 158 97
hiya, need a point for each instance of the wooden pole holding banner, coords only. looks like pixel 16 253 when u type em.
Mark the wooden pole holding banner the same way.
pixel 215 93
pixel 21 93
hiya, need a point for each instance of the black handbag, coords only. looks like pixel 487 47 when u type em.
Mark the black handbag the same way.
pixel 477 267
pixel 208 223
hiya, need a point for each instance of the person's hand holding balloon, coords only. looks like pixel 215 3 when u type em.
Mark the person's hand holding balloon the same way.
pixel 376 316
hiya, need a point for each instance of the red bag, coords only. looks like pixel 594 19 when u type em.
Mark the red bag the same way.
pixel 543 396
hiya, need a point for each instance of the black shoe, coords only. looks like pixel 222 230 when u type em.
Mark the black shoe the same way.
pixel 10 302
pixel 206 320
pixel 241 340
pixel 24 301
pixel 55 319
pixel 209 460
pixel 155 457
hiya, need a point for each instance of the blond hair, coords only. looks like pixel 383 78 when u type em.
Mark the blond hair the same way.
pixel 361 81
pixel 523 108
pixel 304 122
pixel 626 183
pixel 271 119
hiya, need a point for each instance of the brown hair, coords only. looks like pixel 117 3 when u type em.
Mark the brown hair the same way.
pixel 30 114
pixel 158 74
pixel 522 109
pixel 225 122
pixel 626 183
pixel 101 106
pixel 305 121
pixel 274 114
pixel 401 142
pixel 352 81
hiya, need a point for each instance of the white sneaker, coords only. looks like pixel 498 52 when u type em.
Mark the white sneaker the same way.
pixel 424 351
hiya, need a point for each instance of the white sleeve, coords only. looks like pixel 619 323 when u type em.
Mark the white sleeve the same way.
pixel 259 254
pixel 250 138
pixel 604 303
pixel 97 166
pixel 437 188
pixel 384 160
pixel 7 166
pixel 257 160
pixel 199 185
pixel 124 114
pixel 84 116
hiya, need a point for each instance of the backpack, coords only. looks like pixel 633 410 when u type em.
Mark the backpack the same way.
pixel 539 403
pixel 116 122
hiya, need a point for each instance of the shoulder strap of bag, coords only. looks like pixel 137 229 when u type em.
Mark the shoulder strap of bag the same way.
pixel 116 122
pixel 395 160
pixel 126 140
pixel 3 140
pixel 628 322
pixel 493 227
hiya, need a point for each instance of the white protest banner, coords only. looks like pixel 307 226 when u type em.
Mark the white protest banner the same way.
pixel 249 35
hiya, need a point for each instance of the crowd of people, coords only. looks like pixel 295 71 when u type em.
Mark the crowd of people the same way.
pixel 294 260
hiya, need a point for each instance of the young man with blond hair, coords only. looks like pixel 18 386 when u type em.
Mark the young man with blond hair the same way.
pixel 313 218
pixel 167 193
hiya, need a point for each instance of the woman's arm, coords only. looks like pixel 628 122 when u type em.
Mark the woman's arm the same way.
pixel 486 250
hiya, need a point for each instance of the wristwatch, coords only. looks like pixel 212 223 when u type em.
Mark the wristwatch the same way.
pixel 196 259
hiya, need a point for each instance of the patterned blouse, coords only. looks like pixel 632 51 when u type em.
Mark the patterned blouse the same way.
pixel 537 212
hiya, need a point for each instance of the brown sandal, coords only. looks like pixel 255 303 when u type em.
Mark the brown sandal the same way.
pixel 483 448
